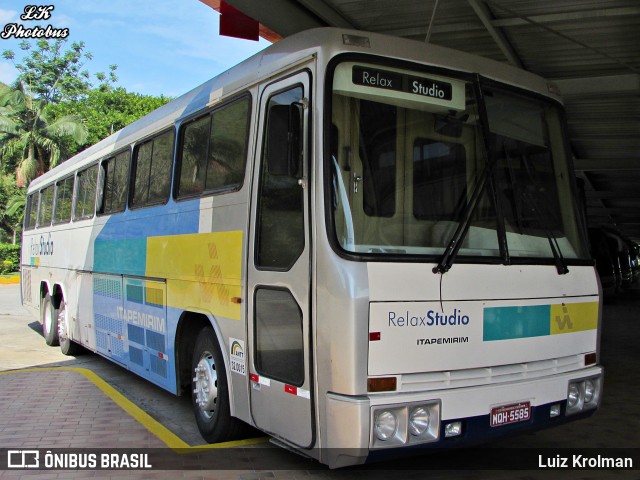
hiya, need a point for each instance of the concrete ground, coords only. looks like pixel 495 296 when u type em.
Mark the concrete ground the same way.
pixel 49 401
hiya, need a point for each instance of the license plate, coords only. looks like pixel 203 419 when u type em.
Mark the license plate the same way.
pixel 514 413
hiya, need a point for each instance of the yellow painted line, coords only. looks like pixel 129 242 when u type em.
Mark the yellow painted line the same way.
pixel 169 438
pixel 9 280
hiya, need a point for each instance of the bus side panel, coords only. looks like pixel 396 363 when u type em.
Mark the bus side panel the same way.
pixel 84 311
pixel 144 314
pixel 130 325
pixel 30 274
pixel 27 287
pixel 107 301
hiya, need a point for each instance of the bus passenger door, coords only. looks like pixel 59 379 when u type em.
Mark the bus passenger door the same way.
pixel 278 310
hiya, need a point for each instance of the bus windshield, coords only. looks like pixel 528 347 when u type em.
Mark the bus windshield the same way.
pixel 410 161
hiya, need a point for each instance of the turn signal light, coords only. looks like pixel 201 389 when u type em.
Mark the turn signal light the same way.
pixel 589 359
pixel 382 384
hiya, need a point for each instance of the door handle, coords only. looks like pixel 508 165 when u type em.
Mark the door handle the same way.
pixel 356 180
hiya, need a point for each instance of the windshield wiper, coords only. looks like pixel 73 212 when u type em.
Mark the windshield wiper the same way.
pixel 453 247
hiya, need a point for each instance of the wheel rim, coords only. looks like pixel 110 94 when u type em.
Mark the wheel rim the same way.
pixel 205 384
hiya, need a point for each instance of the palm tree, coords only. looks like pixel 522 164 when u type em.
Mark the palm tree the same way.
pixel 15 206
pixel 29 135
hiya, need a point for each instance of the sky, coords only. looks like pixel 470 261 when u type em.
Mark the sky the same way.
pixel 163 47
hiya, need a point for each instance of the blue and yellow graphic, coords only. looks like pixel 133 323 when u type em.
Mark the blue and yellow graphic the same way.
pixel 508 323
pixel 149 267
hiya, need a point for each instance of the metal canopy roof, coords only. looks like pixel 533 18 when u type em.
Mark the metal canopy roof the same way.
pixel 589 48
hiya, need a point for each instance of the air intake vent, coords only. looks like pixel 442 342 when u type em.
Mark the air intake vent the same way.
pixel 159 366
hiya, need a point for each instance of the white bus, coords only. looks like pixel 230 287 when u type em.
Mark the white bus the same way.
pixel 354 243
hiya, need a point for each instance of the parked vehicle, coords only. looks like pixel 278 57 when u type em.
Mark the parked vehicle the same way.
pixel 607 262
pixel 617 260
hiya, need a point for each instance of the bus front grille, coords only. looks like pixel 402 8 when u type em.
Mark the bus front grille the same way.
pixel 488 375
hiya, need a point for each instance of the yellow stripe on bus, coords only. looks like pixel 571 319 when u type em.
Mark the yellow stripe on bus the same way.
pixel 204 270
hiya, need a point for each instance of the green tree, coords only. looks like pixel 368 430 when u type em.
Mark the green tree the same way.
pixel 12 201
pixel 30 136
pixel 107 111
pixel 52 74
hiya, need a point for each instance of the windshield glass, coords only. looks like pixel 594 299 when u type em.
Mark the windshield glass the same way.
pixel 408 153
pixel 532 176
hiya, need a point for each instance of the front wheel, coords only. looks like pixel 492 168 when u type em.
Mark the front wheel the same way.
pixel 49 321
pixel 210 392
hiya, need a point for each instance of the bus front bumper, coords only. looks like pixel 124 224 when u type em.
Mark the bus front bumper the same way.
pixel 360 428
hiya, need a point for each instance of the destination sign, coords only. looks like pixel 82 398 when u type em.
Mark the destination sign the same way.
pixel 372 77
pixel 426 87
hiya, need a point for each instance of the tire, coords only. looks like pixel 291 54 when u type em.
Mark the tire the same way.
pixel 67 346
pixel 49 318
pixel 211 407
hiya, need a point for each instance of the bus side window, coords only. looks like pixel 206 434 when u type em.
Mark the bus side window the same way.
pixel 152 162
pixel 227 153
pixel 64 195
pixel 115 177
pixel 213 150
pixel 31 211
pixel 46 206
pixel 193 166
pixel 85 202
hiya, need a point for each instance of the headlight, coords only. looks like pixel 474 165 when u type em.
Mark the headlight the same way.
pixel 574 395
pixel 418 421
pixel 411 424
pixel 386 425
pixel 589 391
pixel 583 395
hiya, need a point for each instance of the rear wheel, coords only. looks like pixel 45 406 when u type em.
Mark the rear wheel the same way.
pixel 210 392
pixel 67 346
pixel 49 321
